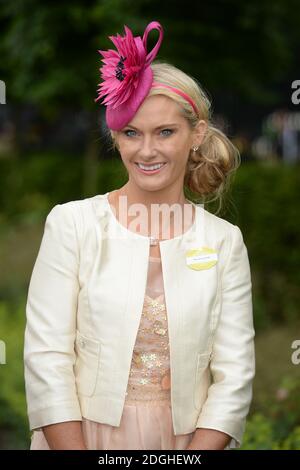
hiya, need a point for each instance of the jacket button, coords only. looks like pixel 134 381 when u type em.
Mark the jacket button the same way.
pixel 103 212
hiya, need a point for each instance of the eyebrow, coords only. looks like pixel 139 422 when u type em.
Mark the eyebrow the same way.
pixel 158 127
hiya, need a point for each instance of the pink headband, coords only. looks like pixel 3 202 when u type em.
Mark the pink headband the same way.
pixel 128 77
pixel 179 92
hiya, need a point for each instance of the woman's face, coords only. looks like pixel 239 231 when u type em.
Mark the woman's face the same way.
pixel 158 133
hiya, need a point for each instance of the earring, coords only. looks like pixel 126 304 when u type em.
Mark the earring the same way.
pixel 195 149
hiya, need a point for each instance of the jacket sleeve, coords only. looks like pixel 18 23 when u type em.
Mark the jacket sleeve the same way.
pixel 51 324
pixel 233 356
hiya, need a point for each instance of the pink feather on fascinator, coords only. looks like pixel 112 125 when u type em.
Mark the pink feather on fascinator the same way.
pixel 127 75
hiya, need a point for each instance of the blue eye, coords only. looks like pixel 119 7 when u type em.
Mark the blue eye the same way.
pixel 169 130
pixel 128 130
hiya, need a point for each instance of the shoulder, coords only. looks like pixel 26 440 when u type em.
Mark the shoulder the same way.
pixel 78 205
pixel 218 226
pixel 79 213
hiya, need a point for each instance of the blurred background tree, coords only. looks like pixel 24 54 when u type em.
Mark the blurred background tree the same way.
pixel 240 51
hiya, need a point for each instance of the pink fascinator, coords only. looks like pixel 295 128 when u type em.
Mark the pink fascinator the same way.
pixel 127 75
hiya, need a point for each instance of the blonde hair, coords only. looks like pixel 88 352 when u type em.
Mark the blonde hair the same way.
pixel 209 169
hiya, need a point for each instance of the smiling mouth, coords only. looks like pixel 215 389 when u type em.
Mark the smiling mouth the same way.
pixel 150 169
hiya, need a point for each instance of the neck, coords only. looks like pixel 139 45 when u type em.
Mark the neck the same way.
pixel 148 198
pixel 161 216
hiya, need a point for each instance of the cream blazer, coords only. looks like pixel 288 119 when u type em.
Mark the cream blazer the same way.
pixel 84 305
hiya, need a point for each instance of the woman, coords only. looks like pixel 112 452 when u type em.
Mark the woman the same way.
pixel 139 331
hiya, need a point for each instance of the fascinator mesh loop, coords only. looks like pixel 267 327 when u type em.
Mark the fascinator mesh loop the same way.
pixel 151 56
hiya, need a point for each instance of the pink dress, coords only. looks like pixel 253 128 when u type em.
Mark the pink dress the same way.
pixel 146 421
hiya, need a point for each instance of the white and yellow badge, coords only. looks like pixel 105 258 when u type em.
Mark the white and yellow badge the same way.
pixel 201 258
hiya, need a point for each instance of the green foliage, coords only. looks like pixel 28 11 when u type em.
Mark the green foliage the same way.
pixel 268 200
pixel 259 434
pixel 279 426
pixel 14 431
pixel 50 49
pixel 29 186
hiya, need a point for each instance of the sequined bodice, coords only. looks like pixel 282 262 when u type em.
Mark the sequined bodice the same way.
pixel 149 377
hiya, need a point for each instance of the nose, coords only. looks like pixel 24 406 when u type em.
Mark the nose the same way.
pixel 148 147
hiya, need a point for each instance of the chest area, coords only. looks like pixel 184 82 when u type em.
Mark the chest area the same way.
pixel 125 274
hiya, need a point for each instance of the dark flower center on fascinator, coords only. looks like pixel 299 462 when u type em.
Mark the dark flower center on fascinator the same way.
pixel 120 75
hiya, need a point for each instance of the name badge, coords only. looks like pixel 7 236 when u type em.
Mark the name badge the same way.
pixel 201 258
